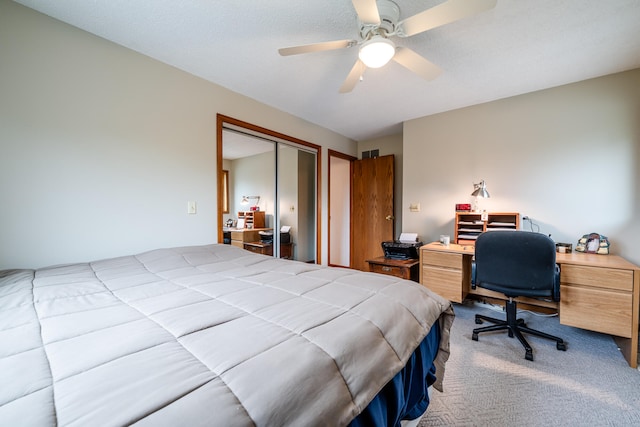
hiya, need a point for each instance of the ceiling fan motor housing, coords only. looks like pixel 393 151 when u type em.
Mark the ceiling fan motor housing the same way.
pixel 389 16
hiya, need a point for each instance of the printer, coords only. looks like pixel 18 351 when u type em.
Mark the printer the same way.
pixel 406 247
pixel 266 236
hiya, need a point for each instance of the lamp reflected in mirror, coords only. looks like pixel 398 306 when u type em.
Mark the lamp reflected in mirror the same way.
pixel 479 191
pixel 246 201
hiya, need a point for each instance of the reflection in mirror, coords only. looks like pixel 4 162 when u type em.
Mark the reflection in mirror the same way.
pixel 272 182
pixel 251 165
pixel 225 191
pixel 296 188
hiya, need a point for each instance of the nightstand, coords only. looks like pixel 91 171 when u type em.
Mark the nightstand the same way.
pixel 404 269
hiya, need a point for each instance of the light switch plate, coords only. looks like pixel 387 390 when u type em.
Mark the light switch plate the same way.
pixel 414 207
pixel 191 208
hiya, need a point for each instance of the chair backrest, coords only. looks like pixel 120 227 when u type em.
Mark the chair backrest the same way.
pixel 517 263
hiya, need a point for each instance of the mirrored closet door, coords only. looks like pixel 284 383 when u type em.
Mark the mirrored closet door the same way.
pixel 267 191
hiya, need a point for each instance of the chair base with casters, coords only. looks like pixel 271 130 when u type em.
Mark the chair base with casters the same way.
pixel 514 327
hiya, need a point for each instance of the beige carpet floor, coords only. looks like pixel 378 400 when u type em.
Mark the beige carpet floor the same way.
pixel 489 382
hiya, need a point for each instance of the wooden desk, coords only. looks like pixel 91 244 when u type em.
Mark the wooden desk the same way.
pixel 404 269
pixel 239 236
pixel 597 292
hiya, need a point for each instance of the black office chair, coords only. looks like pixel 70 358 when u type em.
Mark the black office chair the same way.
pixel 516 263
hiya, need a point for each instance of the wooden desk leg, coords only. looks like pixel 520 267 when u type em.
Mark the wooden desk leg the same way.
pixel 629 349
pixel 629 346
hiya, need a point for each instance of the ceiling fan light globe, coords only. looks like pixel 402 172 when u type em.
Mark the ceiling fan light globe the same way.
pixel 376 52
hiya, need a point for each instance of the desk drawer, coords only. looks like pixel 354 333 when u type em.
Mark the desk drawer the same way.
pixel 237 235
pixel 255 249
pixel 597 309
pixel 259 249
pixel 442 259
pixel 245 235
pixel 609 278
pixel 445 282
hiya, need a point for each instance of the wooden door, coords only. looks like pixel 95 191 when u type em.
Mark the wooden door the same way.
pixel 372 218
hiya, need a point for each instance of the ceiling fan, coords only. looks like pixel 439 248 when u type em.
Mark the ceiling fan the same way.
pixel 378 20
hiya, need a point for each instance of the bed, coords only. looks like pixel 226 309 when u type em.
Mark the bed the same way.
pixel 216 335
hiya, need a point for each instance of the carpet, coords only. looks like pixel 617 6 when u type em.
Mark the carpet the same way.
pixel 489 382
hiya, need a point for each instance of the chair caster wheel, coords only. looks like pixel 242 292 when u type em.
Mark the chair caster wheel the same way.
pixel 474 336
pixel 561 346
pixel 478 321
pixel 529 356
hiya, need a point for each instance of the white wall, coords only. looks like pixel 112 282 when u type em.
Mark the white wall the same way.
pixel 568 157
pixel 102 147
pixel 340 215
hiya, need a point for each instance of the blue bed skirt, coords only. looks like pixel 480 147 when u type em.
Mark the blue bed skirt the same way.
pixel 405 397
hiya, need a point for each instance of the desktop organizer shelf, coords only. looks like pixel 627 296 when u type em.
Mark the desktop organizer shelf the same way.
pixel 252 219
pixel 469 225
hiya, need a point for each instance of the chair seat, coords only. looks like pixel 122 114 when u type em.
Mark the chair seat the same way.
pixel 513 293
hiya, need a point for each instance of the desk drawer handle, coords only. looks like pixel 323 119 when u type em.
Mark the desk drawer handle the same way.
pixel 384 268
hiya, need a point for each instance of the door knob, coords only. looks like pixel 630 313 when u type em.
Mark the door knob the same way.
pixel 389 217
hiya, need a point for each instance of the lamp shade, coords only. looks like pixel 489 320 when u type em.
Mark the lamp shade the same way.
pixel 245 200
pixel 377 51
pixel 480 190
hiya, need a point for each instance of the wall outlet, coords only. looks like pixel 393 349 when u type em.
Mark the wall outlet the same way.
pixel 191 208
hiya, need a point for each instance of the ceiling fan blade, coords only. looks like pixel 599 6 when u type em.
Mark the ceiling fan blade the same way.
pixel 444 13
pixel 353 77
pixel 316 47
pixel 416 63
pixel 367 11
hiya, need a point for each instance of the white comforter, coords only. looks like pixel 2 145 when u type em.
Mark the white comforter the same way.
pixel 210 335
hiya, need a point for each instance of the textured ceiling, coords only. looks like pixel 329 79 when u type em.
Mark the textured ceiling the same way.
pixel 519 46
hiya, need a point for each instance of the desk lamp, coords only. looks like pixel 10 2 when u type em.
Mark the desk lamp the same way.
pixel 245 201
pixel 479 190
